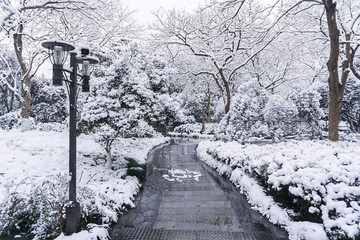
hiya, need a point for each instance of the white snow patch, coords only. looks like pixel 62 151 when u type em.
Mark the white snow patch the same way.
pixel 38 161
pixel 179 175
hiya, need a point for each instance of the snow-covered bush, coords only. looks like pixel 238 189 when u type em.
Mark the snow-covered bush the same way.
pixel 39 213
pixel 350 105
pixel 195 128
pixel 48 103
pixel 310 114
pixel 188 128
pixel 142 130
pixel 10 120
pixel 167 111
pixel 129 98
pixel 246 114
pixel 34 181
pixel 315 183
pixel 255 112
pixel 280 115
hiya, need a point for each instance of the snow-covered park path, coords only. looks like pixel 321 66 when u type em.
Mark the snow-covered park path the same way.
pixel 185 199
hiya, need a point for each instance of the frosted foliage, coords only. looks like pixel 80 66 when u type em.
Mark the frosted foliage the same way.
pixel 34 182
pixel 255 112
pixel 350 105
pixel 8 78
pixel 246 118
pixel 316 181
pixel 10 120
pixel 310 113
pixel 279 113
pixel 130 96
pixel 48 103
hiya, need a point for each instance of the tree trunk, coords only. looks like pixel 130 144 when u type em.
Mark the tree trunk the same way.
pixel 227 91
pixel 208 94
pixel 336 88
pixel 26 80
pixel 334 109
pixel 228 98
pixel 203 117
pixel 25 105
pixel 108 157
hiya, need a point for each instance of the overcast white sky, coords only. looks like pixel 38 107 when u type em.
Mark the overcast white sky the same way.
pixel 145 7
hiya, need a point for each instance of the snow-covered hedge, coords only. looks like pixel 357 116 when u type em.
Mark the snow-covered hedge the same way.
pixel 10 120
pixel 34 182
pixel 194 130
pixel 257 113
pixel 315 183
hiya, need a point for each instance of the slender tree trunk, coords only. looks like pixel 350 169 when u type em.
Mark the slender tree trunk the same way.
pixel 108 157
pixel 11 104
pixel 25 105
pixel 336 88
pixel 203 117
pixel 208 94
pixel 26 80
pixel 334 109
pixel 227 90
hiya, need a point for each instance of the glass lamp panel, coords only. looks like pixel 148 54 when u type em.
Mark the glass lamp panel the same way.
pixel 86 68
pixel 58 55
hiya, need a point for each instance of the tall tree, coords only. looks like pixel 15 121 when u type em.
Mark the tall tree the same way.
pixel 26 23
pixel 225 39
pixel 334 11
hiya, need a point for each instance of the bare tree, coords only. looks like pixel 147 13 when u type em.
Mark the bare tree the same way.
pixel 342 11
pixel 26 23
pixel 225 37
pixel 342 30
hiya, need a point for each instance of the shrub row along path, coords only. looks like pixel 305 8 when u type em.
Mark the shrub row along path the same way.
pixel 183 199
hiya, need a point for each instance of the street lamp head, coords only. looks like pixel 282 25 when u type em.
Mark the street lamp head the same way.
pixel 87 63
pixel 57 52
pixel 51 44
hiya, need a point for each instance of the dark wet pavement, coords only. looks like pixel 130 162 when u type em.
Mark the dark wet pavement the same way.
pixel 185 196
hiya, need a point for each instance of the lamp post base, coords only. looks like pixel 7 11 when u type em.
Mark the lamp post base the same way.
pixel 72 221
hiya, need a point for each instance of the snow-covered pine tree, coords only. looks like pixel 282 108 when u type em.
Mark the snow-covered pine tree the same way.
pixel 128 98
pixel 310 114
pixel 246 116
pixel 280 114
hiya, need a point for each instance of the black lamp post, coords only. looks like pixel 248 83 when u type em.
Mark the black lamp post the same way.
pixel 58 52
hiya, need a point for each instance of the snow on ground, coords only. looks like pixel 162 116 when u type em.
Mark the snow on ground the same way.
pixel 180 175
pixel 35 163
pixel 322 174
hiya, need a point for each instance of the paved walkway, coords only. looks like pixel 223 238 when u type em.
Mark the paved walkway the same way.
pixel 184 199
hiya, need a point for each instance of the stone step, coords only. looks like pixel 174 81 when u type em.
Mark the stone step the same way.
pixel 196 226
pixel 217 219
pixel 192 193
pixel 203 204
pixel 161 234
pixel 191 198
pixel 195 210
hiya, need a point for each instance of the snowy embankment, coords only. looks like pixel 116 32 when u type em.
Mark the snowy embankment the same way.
pixel 34 182
pixel 315 183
